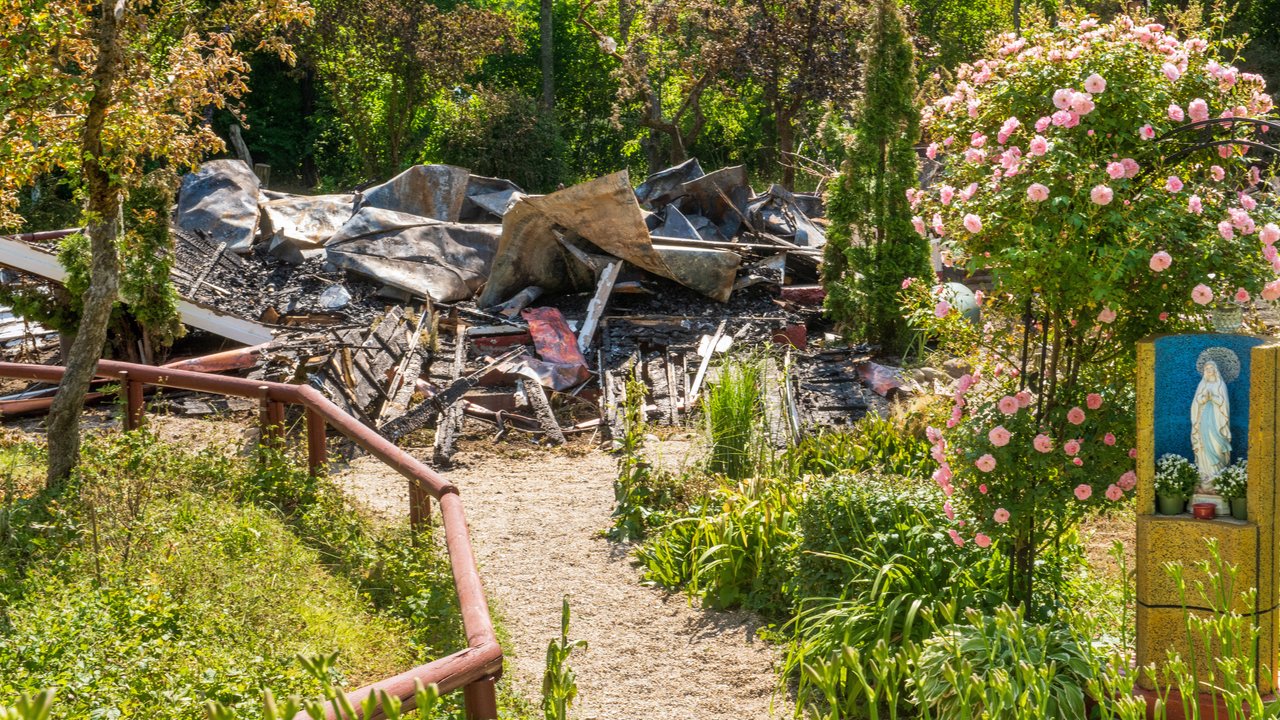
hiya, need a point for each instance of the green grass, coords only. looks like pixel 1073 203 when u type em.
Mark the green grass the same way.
pixel 734 412
pixel 166 577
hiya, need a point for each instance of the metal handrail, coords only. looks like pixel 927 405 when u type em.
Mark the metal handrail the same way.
pixel 474 669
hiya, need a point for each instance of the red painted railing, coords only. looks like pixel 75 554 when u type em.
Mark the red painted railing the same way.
pixel 475 669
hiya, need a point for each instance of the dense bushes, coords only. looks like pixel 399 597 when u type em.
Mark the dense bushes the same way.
pixel 500 133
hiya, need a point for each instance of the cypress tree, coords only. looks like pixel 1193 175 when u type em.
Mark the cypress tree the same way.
pixel 872 246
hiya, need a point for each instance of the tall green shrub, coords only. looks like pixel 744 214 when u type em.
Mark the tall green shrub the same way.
pixel 873 247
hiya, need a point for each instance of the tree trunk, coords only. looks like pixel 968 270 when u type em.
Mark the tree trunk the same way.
pixel 786 145
pixel 547 56
pixel 102 211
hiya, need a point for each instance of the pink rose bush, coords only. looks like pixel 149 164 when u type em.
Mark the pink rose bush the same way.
pixel 1094 239
pixel 998 461
pixel 1068 162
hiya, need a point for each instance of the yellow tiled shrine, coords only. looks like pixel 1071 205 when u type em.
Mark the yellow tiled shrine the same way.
pixel 1248 545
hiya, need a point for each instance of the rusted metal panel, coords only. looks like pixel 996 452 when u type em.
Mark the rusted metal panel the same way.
pixel 562 365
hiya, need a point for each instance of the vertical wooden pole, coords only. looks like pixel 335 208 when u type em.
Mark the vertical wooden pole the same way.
pixel 317 449
pixel 133 401
pixel 271 419
pixel 419 506
pixel 481 700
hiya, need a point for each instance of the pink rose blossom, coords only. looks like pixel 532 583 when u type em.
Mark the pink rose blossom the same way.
pixel 1000 515
pixel 1242 295
pixel 1037 193
pixel 1133 452
pixel 982 488
pixel 1095 84
pixel 1093 401
pixel 942 308
pixel 1109 439
pixel 968 192
pixel 972 223
pixel 1163 316
pixel 1247 201
pixel 955 537
pixel 1217 172
pixel 1114 493
pixel 1043 123
pixel 1128 481
pixel 998 436
pixel 1173 184
pixel 931 152
pixel 1161 261
pixel 1061 118
pixel 1082 104
pixel 1023 397
pixel 1175 112
pixel 1077 462
pixel 1146 132
pixel 1107 316
pixel 981 540
pixel 1075 416
pixel 1100 195
pixel 1008 405
pixel 946 194
pixel 917 222
pixel 1115 170
pixel 1062 98
pixel 1171 71
pixel 1039 145
pixel 1199 110
pixel 1071 447
pixel 978 140
pixel 1269 234
pixel 974 155
pixel 1194 204
pixel 1042 443
pixel 986 463
pixel 1130 167
pixel 1271 291
pixel 1083 492
pixel 1202 294
pixel 949 511
pixel 1225 230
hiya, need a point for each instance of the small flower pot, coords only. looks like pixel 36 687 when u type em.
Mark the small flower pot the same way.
pixel 1239 510
pixel 1170 504
pixel 1204 511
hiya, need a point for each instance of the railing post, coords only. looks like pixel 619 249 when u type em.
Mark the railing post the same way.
pixel 133 401
pixel 317 449
pixel 271 418
pixel 419 506
pixel 481 700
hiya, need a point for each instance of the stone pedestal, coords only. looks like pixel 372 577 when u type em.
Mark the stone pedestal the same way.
pixel 1165 386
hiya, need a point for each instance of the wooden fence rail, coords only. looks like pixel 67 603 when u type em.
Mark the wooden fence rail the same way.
pixel 474 669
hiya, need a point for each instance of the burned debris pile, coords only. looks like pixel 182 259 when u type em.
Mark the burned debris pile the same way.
pixel 439 297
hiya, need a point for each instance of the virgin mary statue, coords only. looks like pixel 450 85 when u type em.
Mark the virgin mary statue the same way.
pixel 1210 427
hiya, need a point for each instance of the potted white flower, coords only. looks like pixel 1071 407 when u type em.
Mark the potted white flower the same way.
pixel 1233 484
pixel 1176 480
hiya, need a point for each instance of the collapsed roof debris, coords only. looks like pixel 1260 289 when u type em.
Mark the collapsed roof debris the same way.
pixel 439 297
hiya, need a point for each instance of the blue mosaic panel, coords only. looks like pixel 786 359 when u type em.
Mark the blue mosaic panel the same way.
pixel 1176 381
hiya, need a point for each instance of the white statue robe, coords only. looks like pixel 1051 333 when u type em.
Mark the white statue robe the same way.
pixel 1210 426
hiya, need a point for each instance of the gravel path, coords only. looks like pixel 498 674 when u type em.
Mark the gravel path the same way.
pixel 536 519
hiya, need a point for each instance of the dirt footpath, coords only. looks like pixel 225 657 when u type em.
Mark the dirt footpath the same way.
pixel 536 520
